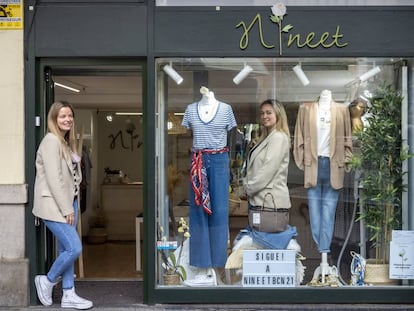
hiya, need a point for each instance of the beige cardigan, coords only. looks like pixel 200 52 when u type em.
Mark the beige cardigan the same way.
pixel 305 149
pixel 54 185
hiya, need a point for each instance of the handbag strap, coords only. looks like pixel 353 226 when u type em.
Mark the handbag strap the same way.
pixel 273 200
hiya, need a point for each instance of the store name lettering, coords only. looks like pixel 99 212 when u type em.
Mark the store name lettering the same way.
pixel 133 141
pixel 311 40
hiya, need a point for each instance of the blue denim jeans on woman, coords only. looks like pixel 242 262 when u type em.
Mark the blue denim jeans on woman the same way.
pixel 69 249
pixel 209 233
pixel 322 201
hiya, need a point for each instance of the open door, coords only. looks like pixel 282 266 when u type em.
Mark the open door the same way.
pixel 44 238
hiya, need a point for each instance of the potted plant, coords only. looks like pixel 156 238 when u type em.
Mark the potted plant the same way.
pixel 173 270
pixel 380 161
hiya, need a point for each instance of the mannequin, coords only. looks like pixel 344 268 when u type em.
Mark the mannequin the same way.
pixel 208 104
pixel 210 121
pixel 326 125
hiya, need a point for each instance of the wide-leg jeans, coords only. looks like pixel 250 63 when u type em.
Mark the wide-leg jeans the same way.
pixel 210 233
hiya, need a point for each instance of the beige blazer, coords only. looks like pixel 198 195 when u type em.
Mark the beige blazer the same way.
pixel 54 187
pixel 267 171
pixel 305 149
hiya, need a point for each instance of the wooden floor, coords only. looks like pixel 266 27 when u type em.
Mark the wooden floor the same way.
pixel 110 260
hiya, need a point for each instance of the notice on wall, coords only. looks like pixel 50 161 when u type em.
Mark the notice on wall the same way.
pixel 402 255
pixel 11 14
pixel 269 268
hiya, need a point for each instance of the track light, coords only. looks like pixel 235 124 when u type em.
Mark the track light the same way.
pixel 67 87
pixel 242 74
pixel 301 75
pixel 369 74
pixel 170 71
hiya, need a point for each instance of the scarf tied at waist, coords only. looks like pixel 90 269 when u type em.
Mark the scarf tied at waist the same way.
pixel 199 178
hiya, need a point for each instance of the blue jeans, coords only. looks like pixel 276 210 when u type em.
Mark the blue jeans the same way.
pixel 322 201
pixel 69 249
pixel 209 233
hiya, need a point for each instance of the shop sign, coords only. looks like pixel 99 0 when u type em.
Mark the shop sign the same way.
pixel 312 40
pixel 269 268
pixel 402 255
pixel 11 14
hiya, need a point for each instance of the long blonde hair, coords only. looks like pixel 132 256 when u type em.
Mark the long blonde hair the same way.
pixel 281 119
pixel 69 139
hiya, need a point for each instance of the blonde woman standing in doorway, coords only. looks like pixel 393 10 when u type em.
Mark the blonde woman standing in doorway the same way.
pixel 56 191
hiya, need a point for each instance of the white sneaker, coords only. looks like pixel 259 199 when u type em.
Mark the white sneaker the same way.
pixel 44 289
pixel 202 280
pixel 71 300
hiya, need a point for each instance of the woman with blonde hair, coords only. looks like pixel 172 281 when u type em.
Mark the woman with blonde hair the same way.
pixel 56 191
pixel 268 162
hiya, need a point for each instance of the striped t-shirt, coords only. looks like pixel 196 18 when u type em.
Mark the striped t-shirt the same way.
pixel 212 134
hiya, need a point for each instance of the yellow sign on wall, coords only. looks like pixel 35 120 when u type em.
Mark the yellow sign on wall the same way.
pixel 11 14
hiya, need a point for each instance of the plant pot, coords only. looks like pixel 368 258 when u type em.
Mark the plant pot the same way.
pixel 171 279
pixel 378 274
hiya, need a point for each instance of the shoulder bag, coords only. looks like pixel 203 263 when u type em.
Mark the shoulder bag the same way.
pixel 268 219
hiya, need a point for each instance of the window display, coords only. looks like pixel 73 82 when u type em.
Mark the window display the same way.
pixel 323 150
pixel 212 165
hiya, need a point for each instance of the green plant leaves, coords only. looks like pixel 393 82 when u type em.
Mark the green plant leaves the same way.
pixel 380 159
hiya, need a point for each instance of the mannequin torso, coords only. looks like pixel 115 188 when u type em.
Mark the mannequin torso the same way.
pixel 325 100
pixel 207 106
pixel 324 122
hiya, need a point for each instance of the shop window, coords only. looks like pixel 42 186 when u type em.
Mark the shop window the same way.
pixel 331 257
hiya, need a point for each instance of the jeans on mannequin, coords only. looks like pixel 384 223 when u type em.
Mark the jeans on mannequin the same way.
pixel 209 233
pixel 322 201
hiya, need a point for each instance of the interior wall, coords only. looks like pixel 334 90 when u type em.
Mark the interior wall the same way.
pixel 117 145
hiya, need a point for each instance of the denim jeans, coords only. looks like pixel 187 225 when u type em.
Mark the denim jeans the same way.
pixel 209 233
pixel 322 201
pixel 69 249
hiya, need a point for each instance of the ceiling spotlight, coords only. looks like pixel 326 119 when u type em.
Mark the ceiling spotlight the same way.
pixel 369 74
pixel 242 74
pixel 170 71
pixel 301 75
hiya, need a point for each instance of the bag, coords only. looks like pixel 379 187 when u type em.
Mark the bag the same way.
pixel 266 219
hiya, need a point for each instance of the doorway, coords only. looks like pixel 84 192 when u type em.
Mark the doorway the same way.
pixel 108 101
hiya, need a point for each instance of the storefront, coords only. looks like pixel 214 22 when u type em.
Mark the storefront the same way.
pixel 183 52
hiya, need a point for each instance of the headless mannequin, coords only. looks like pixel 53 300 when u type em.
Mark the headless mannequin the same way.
pixel 207 106
pixel 324 111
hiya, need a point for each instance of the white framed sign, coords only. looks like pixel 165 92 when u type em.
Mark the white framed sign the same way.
pixel 269 268
pixel 402 255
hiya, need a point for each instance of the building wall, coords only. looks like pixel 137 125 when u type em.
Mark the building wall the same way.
pixel 13 191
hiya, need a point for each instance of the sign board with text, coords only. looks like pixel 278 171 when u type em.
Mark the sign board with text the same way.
pixel 11 14
pixel 402 255
pixel 269 268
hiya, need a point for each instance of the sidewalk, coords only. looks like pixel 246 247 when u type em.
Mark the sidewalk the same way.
pixel 192 307
pixel 127 296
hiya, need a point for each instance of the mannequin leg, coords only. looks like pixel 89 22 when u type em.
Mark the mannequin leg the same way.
pixel 324 266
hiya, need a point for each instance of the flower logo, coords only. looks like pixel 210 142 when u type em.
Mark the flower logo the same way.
pixel 279 10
